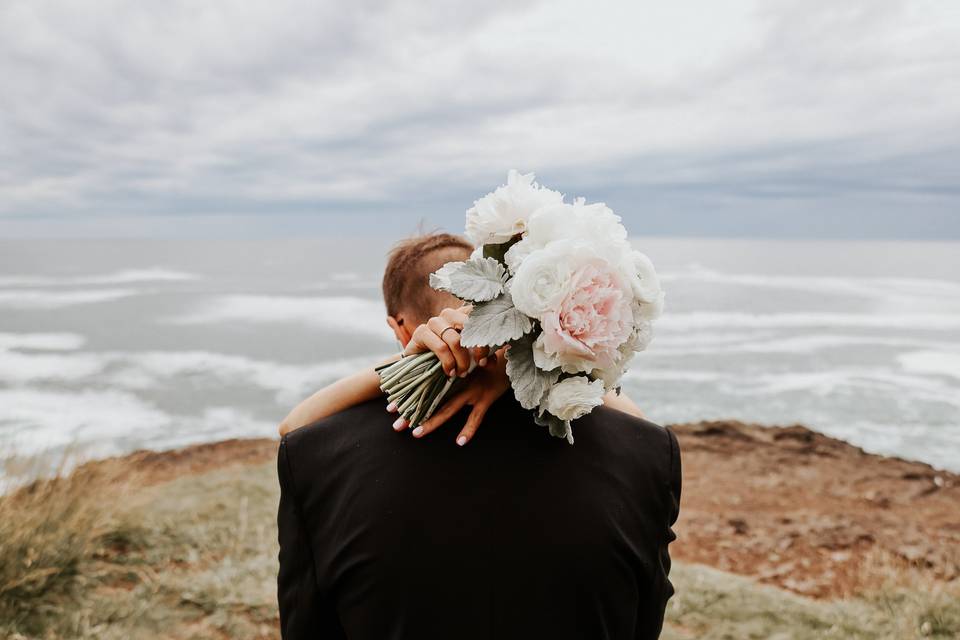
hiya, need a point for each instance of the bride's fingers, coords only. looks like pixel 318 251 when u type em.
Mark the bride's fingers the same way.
pixel 444 413
pixel 433 342
pixel 456 317
pixel 415 344
pixel 480 355
pixel 472 424
pixel 460 354
pixel 451 336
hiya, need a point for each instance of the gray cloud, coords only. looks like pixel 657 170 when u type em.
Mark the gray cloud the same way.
pixel 688 118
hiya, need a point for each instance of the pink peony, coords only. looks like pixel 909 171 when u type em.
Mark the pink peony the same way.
pixel 593 319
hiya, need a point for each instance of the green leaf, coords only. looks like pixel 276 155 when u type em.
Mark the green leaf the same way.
pixel 476 280
pixel 530 383
pixel 494 322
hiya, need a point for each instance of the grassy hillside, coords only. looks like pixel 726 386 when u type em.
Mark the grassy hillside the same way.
pixel 103 555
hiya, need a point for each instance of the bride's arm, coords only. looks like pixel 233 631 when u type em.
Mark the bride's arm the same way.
pixel 623 403
pixel 344 393
pixel 364 385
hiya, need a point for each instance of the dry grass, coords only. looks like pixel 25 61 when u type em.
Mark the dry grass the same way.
pixel 94 556
pixel 714 605
pixel 98 555
pixel 51 532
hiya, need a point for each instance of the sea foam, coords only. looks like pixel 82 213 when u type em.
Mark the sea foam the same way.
pixel 42 341
pixel 146 371
pixel 53 299
pixel 736 320
pixel 92 424
pixel 845 286
pixel 37 420
pixel 125 276
pixel 941 363
pixel 344 314
pixel 764 342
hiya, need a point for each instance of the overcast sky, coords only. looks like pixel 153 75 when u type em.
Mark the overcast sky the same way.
pixel 774 118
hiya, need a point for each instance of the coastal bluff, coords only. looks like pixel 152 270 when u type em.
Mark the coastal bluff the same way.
pixel 783 532
pixel 788 506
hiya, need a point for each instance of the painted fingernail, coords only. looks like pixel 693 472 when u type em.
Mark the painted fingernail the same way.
pixel 399 423
pixel 391 407
pixel 462 440
pixel 418 432
pixel 463 375
pixel 483 362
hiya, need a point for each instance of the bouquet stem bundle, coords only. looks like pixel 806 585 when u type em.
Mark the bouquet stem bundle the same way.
pixel 416 384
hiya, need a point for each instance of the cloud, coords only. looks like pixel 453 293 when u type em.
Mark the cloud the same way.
pixel 693 109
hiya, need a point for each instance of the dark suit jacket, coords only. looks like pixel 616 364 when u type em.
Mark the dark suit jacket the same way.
pixel 516 535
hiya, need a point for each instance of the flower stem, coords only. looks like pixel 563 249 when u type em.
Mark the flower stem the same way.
pixel 402 366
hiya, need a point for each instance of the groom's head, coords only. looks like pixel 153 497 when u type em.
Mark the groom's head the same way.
pixel 407 294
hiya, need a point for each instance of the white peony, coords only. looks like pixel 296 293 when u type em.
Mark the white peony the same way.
pixel 591 224
pixel 517 253
pixel 500 215
pixel 638 341
pixel 574 397
pixel 650 310
pixel 643 277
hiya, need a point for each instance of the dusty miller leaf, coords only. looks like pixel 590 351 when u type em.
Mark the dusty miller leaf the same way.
pixel 494 322
pixel 558 428
pixel 476 280
pixel 440 279
pixel 530 383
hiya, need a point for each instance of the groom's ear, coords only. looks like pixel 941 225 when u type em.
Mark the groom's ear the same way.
pixel 400 329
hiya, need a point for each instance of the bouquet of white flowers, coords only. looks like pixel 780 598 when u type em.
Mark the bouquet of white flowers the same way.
pixel 558 284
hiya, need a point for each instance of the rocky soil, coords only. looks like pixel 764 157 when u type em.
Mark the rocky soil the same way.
pixel 809 513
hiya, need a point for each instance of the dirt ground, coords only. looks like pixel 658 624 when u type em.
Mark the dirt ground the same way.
pixel 809 513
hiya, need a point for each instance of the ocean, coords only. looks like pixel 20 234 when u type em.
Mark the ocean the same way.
pixel 111 346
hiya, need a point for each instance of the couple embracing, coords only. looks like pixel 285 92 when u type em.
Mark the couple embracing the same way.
pixel 487 528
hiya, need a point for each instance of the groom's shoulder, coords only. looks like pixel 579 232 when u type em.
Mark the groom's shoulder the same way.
pixel 347 424
pixel 621 427
pixel 622 435
pixel 315 455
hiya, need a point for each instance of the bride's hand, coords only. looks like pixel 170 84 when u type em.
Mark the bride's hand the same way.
pixel 441 334
pixel 485 385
